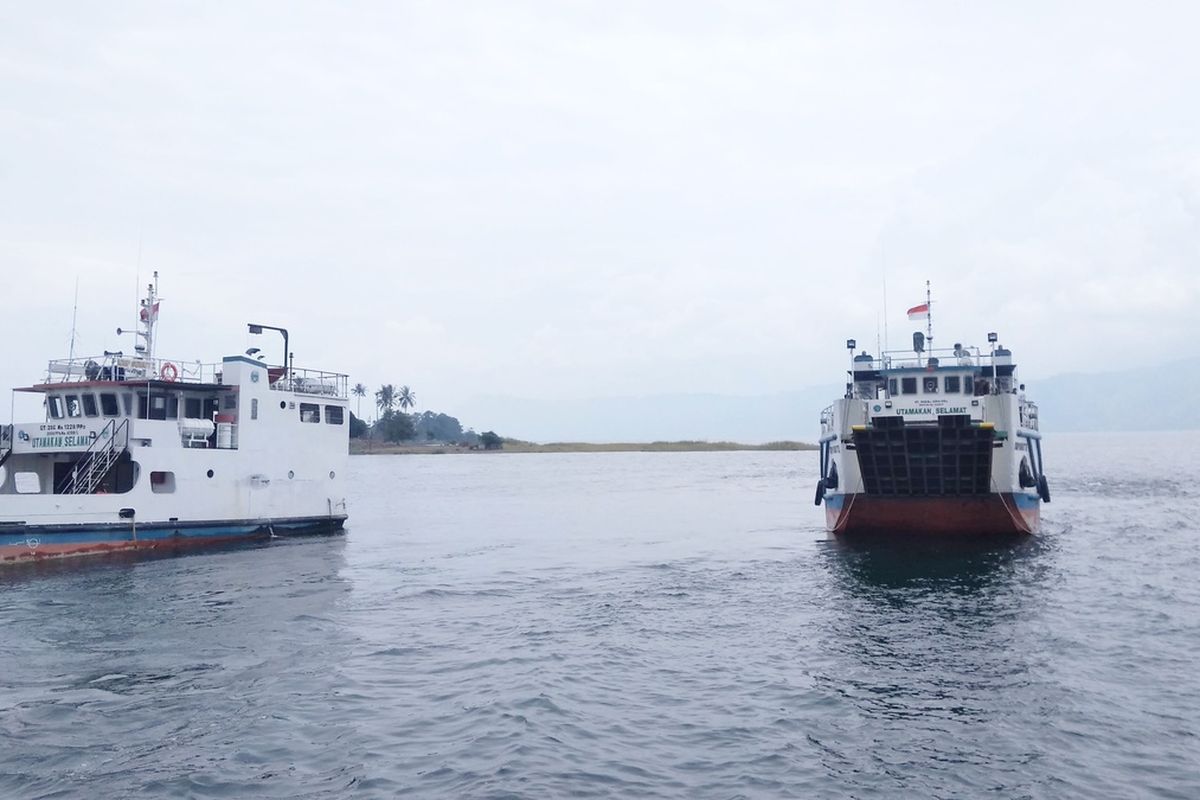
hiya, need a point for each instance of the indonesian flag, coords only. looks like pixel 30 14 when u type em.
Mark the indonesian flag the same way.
pixel 919 312
pixel 149 313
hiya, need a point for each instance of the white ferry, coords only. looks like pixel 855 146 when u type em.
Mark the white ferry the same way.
pixel 932 441
pixel 137 451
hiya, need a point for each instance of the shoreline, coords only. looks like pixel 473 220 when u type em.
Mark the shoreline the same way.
pixel 361 448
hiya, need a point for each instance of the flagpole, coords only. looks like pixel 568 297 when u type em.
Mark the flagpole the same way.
pixel 928 317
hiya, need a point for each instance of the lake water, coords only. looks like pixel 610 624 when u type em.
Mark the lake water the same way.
pixel 628 625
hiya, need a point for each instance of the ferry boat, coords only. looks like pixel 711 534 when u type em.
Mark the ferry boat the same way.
pixel 140 452
pixel 932 441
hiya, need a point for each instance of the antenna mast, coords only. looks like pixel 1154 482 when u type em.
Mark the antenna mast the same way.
pixel 928 317
pixel 74 316
pixel 883 258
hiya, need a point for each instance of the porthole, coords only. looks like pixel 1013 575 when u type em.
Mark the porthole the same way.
pixel 283 404
pixel 291 474
pixel 209 473
pixel 331 474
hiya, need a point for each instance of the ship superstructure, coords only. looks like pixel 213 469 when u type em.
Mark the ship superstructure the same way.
pixel 136 451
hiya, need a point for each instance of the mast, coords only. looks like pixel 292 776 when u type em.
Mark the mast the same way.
pixel 74 317
pixel 929 318
pixel 147 317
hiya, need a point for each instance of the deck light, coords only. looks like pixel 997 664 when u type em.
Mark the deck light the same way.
pixel 257 328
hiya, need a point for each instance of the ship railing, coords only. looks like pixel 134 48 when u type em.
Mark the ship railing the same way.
pixel 826 418
pixel 98 460
pixel 121 367
pixel 946 356
pixel 314 382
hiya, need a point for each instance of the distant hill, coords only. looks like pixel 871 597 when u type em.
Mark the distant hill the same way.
pixel 1161 397
pixel 1145 398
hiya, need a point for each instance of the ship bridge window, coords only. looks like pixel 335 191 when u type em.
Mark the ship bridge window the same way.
pixel 73 407
pixel 161 406
pixel 89 405
pixel 334 415
pixel 310 412
pixel 892 386
pixel 54 406
pixel 192 408
pixel 953 384
pixel 108 405
pixel 968 384
pixel 908 385
pixel 929 385
pixel 127 401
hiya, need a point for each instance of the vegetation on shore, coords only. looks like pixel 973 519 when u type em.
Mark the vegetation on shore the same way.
pixel 395 431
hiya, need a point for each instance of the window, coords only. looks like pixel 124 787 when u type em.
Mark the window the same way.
pixel 191 408
pixel 27 483
pixel 127 401
pixel 334 415
pixel 162 406
pixel 929 384
pixel 108 405
pixel 54 406
pixel 908 385
pixel 892 386
pixel 310 412
pixel 73 407
pixel 162 482
pixel 229 402
pixel 968 384
pixel 89 405
pixel 952 384
pixel 253 408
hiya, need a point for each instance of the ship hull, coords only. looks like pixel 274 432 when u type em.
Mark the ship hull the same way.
pixel 990 514
pixel 28 543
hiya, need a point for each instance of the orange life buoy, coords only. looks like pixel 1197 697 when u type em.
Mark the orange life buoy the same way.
pixel 169 371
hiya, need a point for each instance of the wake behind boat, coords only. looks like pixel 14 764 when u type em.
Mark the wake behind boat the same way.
pixel 932 441
pixel 143 452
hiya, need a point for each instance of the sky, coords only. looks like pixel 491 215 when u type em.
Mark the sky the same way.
pixel 565 200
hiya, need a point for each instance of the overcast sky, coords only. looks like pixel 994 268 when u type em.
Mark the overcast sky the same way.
pixel 591 199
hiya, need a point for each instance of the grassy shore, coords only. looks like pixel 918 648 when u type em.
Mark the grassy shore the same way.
pixel 359 447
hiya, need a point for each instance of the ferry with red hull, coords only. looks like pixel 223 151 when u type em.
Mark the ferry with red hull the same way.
pixel 932 442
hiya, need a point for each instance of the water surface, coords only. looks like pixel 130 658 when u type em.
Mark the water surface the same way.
pixel 616 625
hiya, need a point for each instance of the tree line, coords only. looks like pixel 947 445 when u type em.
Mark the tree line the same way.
pixel 394 424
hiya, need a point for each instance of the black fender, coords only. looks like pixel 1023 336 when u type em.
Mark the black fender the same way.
pixel 820 493
pixel 1043 489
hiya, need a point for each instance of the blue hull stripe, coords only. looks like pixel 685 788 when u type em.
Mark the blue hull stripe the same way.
pixel 124 533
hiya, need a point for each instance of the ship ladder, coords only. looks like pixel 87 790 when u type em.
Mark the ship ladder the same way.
pixel 6 433
pixel 97 461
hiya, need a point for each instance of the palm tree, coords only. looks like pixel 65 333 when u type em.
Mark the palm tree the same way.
pixel 360 392
pixel 406 398
pixel 385 398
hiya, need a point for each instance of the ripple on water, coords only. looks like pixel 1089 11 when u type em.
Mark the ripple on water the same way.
pixel 651 625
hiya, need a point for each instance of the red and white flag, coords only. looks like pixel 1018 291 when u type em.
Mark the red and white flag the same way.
pixel 919 312
pixel 149 313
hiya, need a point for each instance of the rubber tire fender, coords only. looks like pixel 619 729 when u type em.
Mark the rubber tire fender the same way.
pixel 1043 489
pixel 820 493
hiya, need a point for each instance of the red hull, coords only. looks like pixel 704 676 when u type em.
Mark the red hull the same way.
pixel 990 514
pixel 48 551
